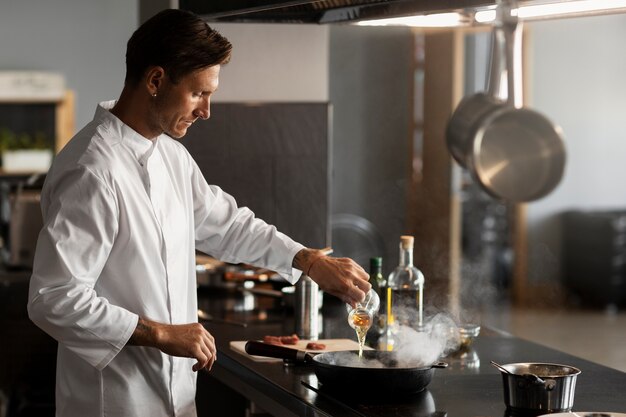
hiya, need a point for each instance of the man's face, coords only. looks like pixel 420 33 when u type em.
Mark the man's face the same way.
pixel 177 106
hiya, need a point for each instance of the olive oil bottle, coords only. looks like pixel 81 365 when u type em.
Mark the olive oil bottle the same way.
pixel 405 295
pixel 379 284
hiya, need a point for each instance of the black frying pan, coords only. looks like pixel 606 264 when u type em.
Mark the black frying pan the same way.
pixel 388 375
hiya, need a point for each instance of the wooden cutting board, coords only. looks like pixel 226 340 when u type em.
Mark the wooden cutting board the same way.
pixel 332 345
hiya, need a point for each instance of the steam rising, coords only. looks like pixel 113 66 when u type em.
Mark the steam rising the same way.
pixel 439 337
pixel 411 349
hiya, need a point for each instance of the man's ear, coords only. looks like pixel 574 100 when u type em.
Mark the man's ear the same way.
pixel 154 79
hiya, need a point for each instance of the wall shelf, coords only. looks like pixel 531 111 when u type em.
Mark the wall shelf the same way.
pixel 64 119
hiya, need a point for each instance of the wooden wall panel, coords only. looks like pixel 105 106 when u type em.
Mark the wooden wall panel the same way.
pixel 435 215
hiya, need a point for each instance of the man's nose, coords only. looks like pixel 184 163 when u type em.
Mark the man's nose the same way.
pixel 204 110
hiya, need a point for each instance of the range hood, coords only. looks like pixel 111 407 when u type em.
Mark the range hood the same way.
pixel 324 11
pixel 345 11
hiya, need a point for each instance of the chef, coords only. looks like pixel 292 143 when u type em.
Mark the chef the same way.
pixel 125 206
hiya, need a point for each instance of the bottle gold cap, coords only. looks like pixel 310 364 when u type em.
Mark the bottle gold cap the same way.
pixel 406 242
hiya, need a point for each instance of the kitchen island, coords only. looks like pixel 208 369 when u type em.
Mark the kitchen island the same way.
pixel 469 387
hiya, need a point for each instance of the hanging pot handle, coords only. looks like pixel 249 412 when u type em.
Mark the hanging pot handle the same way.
pixel 511 31
pixel 497 67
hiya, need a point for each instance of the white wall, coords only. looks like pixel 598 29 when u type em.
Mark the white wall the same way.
pixel 579 81
pixel 85 40
pixel 275 62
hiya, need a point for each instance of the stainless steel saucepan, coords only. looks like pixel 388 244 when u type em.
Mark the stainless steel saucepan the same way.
pixel 532 387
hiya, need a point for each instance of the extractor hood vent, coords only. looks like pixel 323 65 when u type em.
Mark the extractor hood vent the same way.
pixel 326 11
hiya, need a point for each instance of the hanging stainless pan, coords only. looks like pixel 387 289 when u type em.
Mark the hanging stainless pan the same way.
pixel 515 153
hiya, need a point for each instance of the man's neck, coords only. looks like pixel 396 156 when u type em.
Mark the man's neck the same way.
pixel 134 111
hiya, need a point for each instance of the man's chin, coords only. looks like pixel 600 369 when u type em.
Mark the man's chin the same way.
pixel 177 134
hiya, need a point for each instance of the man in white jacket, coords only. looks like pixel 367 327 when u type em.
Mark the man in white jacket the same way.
pixel 125 207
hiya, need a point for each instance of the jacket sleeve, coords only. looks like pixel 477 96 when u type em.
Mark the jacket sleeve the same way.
pixel 234 234
pixel 80 225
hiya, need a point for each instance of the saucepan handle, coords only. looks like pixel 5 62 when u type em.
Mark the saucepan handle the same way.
pixel 439 365
pixel 254 347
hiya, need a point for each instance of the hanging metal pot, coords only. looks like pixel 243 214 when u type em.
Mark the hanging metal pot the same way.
pixel 515 153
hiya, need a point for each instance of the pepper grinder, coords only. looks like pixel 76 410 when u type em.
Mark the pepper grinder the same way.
pixel 307 304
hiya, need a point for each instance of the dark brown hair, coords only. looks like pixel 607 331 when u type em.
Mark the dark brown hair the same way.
pixel 179 41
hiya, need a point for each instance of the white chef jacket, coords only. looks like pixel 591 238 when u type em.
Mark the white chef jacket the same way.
pixel 122 218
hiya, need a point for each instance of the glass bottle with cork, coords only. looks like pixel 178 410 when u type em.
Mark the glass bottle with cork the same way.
pixel 405 295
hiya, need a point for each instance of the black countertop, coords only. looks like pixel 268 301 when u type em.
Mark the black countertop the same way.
pixel 469 387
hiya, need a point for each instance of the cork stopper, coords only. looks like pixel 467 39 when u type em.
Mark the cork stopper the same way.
pixel 406 242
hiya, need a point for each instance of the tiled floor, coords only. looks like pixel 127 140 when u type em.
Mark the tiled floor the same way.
pixel 598 336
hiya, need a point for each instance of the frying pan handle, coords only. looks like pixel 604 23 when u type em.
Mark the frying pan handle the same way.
pixel 254 347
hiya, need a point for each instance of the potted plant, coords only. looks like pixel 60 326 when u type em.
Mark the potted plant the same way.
pixel 24 152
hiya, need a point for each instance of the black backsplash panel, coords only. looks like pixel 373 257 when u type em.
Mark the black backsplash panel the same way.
pixel 273 158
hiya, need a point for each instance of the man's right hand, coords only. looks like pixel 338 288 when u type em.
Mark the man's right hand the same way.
pixel 341 277
pixel 184 340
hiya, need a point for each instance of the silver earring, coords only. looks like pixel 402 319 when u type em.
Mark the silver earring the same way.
pixel 154 95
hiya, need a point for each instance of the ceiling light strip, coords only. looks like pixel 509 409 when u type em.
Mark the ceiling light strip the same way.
pixel 451 19
pixel 554 10
pixel 569 8
pixel 528 12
